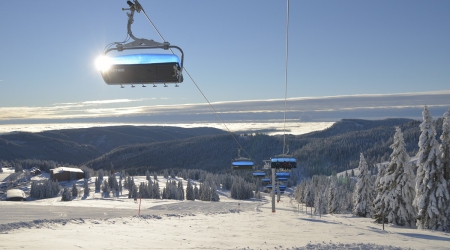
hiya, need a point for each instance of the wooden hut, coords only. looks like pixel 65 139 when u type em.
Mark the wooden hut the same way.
pixel 66 174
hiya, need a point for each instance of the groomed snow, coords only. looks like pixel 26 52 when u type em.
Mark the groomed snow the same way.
pixel 255 228
pixel 170 224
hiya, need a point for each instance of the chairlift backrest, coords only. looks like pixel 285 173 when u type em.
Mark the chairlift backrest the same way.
pixel 283 163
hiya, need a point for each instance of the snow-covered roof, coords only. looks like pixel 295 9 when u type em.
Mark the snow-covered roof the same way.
pixel 15 193
pixel 65 169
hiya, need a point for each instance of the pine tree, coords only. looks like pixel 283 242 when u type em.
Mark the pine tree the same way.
pixel 66 195
pixel 396 188
pixel 100 175
pixel 362 196
pixel 111 169
pixel 432 195
pixel 196 194
pixel 97 185
pixel 181 190
pixel 74 190
pixel 105 188
pixel 445 146
pixel 445 155
pixel 214 196
pixel 86 188
pixel 87 174
pixel 147 175
pixel 332 199
pixel 378 202
pixel 156 193
pixel 189 191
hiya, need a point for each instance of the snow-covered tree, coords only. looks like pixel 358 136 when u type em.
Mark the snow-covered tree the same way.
pixel 331 195
pixel 320 203
pixel 100 174
pixel 196 192
pixel 66 195
pixel 445 155
pixel 97 184
pixel 74 190
pixel 396 187
pixel 18 168
pixel 86 188
pixel 106 188
pixel 432 195
pixel 445 146
pixel 362 195
pixel 87 174
pixel 379 190
pixel 189 191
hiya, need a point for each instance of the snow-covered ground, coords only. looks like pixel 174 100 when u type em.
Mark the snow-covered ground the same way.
pixel 112 223
pixel 255 228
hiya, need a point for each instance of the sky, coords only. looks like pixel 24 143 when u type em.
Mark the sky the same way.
pixel 234 50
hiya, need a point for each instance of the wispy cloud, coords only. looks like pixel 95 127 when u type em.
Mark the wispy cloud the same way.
pixel 328 108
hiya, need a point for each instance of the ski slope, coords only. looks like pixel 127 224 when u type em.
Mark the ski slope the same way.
pixel 240 225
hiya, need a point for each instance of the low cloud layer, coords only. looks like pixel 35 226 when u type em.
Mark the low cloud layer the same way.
pixel 319 109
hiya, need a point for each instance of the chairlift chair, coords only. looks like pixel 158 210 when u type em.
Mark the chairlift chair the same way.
pixel 284 179
pixel 282 175
pixel 259 174
pixel 283 163
pixel 265 181
pixel 242 163
pixel 140 68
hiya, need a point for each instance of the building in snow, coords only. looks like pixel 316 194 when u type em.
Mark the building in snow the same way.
pixel 66 174
pixel 15 195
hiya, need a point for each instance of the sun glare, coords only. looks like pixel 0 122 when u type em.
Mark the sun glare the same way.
pixel 103 63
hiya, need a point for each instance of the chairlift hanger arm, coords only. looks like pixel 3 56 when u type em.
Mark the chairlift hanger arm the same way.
pixel 141 43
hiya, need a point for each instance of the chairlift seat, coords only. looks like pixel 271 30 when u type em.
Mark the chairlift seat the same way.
pixel 242 165
pixel 143 68
pixel 283 163
pixel 283 175
pixel 259 174
pixel 265 181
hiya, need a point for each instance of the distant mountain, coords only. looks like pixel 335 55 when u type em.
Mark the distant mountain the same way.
pixel 139 148
pixel 35 146
pixel 105 139
pixel 332 150
pixel 76 146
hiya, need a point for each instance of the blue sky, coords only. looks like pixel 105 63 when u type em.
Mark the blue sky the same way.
pixel 234 49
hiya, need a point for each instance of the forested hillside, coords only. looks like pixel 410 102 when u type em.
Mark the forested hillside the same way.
pixel 155 148
pixel 76 146
pixel 332 150
pixel 35 146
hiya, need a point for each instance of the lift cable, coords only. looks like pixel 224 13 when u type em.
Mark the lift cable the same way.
pixel 198 88
pixel 286 75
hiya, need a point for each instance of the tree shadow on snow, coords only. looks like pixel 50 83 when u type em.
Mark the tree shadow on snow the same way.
pixel 425 236
pixel 321 221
